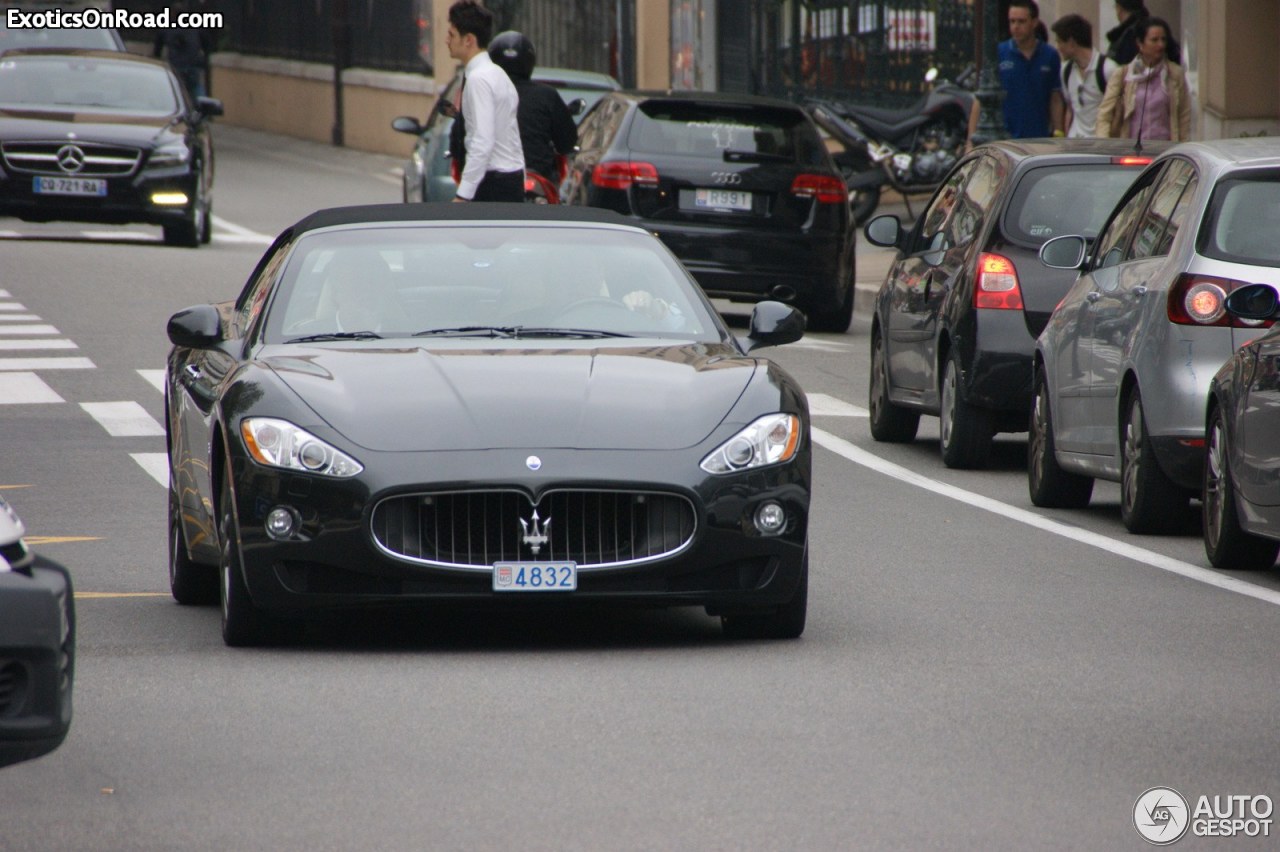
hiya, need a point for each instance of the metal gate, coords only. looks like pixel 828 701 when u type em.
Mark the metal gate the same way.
pixel 589 35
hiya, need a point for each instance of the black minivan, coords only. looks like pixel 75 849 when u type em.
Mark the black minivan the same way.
pixel 741 189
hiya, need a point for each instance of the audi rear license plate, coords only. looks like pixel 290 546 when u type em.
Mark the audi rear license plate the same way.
pixel 722 199
pixel 535 576
pixel 70 186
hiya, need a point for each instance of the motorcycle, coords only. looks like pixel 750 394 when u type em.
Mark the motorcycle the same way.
pixel 540 189
pixel 910 150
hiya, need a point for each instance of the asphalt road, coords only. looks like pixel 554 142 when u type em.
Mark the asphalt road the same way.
pixel 976 673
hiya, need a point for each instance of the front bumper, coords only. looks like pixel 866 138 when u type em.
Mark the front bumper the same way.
pixel 334 563
pixel 128 200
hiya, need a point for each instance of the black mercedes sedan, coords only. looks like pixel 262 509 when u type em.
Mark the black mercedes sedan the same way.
pixel 741 188
pixel 107 137
pixel 482 403
pixel 1241 493
pixel 957 317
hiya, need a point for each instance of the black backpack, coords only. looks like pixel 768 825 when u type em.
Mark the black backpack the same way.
pixel 1098 71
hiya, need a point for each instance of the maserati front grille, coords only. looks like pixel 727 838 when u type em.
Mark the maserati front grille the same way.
pixel 475 529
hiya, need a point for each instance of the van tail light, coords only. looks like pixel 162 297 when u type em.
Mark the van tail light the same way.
pixel 826 189
pixel 621 174
pixel 997 285
pixel 1201 300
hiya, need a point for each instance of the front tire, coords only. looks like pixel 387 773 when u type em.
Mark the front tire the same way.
pixel 243 624
pixel 1150 502
pixel 191 583
pixel 964 429
pixel 786 622
pixel 1050 486
pixel 1226 543
pixel 890 423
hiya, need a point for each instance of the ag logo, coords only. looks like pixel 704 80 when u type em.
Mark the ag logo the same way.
pixel 1161 816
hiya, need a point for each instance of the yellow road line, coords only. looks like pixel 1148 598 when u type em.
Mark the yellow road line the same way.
pixel 60 539
pixel 3 487
pixel 103 595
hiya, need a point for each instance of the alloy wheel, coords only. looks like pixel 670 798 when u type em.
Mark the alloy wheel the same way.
pixel 1215 503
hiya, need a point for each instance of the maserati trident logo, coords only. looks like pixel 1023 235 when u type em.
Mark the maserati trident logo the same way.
pixel 535 536
pixel 70 158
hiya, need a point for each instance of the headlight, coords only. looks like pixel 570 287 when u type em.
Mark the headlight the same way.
pixel 772 439
pixel 169 155
pixel 278 443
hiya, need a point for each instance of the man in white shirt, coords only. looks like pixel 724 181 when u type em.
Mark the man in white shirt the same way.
pixel 494 169
pixel 1085 73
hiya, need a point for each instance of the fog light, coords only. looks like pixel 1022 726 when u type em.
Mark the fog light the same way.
pixel 282 523
pixel 770 518
pixel 174 199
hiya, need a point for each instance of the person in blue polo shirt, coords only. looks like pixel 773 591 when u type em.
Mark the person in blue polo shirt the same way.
pixel 1031 72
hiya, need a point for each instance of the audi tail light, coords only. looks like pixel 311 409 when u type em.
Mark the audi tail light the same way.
pixel 622 174
pixel 825 189
pixel 997 284
pixel 1201 300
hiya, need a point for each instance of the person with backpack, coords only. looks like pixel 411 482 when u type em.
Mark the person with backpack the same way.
pixel 1085 72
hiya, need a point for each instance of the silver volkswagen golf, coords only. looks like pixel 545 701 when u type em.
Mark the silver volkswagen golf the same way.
pixel 1122 370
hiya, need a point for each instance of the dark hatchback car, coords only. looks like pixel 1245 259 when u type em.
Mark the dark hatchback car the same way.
pixel 1241 493
pixel 477 404
pixel 957 317
pixel 428 175
pixel 742 190
pixel 99 136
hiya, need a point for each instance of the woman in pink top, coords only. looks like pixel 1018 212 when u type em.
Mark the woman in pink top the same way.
pixel 1148 98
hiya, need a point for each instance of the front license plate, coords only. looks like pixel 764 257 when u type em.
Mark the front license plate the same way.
pixel 722 199
pixel 70 186
pixel 535 576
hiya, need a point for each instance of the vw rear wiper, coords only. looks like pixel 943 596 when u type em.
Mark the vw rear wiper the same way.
pixel 338 335
pixel 472 331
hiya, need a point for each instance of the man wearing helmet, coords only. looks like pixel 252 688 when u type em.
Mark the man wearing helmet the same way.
pixel 546 126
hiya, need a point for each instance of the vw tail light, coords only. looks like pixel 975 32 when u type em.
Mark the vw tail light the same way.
pixel 1201 300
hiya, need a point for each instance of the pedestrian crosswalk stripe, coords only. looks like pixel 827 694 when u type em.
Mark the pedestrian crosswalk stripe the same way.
pixel 12 307
pixel 155 464
pixel 821 405
pixel 43 343
pixel 18 317
pixel 123 419
pixel 28 329
pixel 25 388
pixel 7 364
pixel 154 377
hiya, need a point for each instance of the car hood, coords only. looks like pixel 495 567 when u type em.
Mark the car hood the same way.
pixel 128 130
pixel 412 398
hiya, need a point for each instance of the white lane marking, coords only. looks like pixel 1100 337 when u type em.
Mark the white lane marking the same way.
pixel 233 238
pixel 123 419
pixel 857 455
pixel 387 179
pixel 28 329
pixel 118 235
pixel 155 378
pixel 823 345
pixel 4 294
pixel 46 364
pixel 24 388
pixel 155 464
pixel 19 317
pixel 821 405
pixel 11 306
pixel 43 343
pixel 241 231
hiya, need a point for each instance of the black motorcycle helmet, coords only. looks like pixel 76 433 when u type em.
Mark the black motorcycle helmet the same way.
pixel 514 52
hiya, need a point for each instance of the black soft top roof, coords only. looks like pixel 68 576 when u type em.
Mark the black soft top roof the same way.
pixel 451 212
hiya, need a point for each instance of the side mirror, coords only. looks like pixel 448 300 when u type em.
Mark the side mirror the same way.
pixel 773 324
pixel 884 231
pixel 406 124
pixel 1064 252
pixel 577 106
pixel 1253 302
pixel 209 107
pixel 37 643
pixel 198 327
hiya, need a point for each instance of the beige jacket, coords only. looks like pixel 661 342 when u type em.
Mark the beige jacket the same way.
pixel 1115 113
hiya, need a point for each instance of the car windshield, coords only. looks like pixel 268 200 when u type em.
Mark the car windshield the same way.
pixel 1037 210
pixel 91 38
pixel 1241 225
pixel 725 132
pixel 485 281
pixel 62 83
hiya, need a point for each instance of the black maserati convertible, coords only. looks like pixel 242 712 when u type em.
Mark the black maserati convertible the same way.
pixel 475 404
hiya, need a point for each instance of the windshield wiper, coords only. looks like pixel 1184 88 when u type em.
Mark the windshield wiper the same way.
pixel 338 335
pixel 472 331
pixel 570 332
